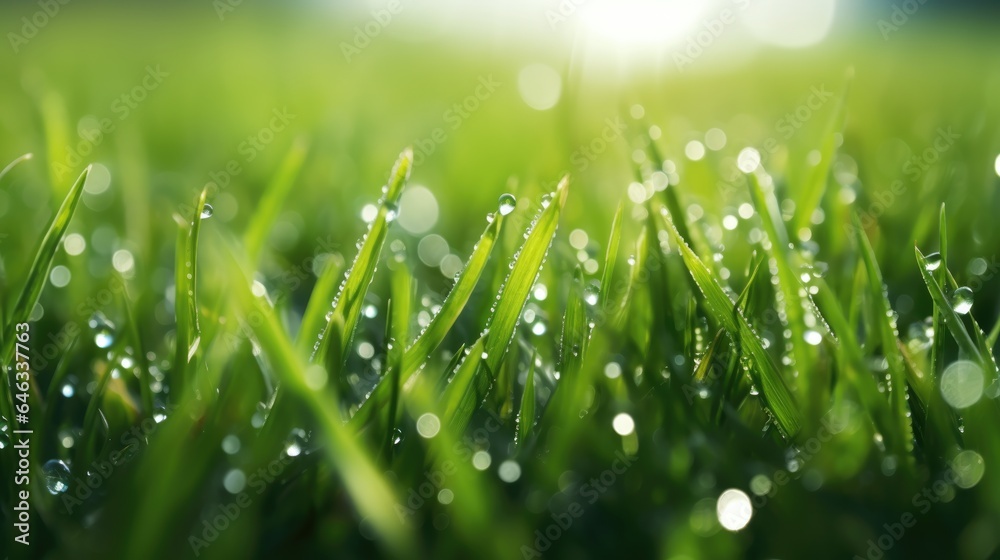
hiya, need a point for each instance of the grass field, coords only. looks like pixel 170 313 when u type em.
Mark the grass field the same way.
pixel 273 298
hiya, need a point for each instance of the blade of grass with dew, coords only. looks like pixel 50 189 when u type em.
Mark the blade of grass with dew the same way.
pixel 399 322
pixel 145 390
pixel 856 373
pixel 362 481
pixel 885 324
pixel 611 256
pixel 789 287
pixel 335 339
pixel 567 400
pixel 431 337
pixel 319 301
pixel 951 318
pixel 36 279
pixel 526 413
pixel 273 198
pixel 815 185
pixel 982 417
pixel 937 345
pixel 477 522
pixel 188 335
pixel 775 393
pixel 86 452
pixel 461 395
pixel 501 326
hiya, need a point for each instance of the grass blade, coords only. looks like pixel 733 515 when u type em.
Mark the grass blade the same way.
pixel 362 481
pixel 13 164
pixel 773 390
pixel 188 336
pixel 526 413
pixel 789 286
pixel 611 255
pixel 889 337
pixel 815 185
pixel 339 330
pixel 37 277
pixel 273 199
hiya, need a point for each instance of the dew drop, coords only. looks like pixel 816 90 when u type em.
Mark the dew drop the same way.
pixel 56 475
pixel 207 212
pixel 961 300
pixel 104 335
pixel 933 261
pixel 507 204
pixel 391 212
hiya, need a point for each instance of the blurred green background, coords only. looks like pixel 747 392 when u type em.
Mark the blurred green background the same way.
pixel 540 99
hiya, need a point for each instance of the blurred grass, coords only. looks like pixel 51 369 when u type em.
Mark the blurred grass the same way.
pixel 664 307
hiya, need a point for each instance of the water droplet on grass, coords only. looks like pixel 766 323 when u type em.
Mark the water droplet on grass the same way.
pixel 104 330
pixel 391 212
pixel 933 261
pixel 961 300
pixel 207 212
pixel 507 204
pixel 56 476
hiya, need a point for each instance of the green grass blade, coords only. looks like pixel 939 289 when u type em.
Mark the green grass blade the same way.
pixel 319 303
pixel 188 334
pixel 460 396
pixel 567 400
pixel 888 335
pixel 42 263
pixel 36 279
pixel 332 346
pixel 788 284
pixel 274 197
pixel 937 345
pixel 819 174
pixel 431 337
pixel 526 413
pixel 56 124
pixel 773 389
pixel 452 307
pixel 951 318
pixel 611 255
pixel 145 391
pixel 399 323
pixel 362 481
pixel 502 323
pixel 13 164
